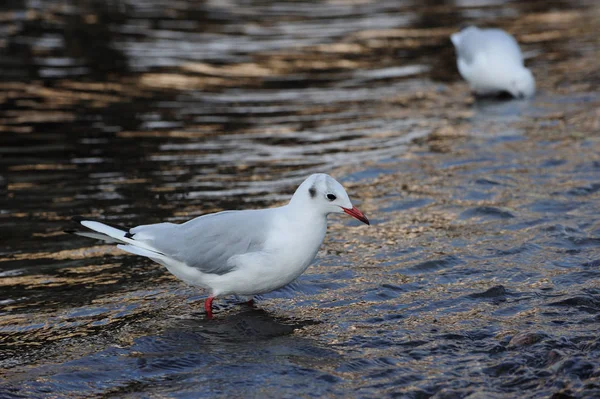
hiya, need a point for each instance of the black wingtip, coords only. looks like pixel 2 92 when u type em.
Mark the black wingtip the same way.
pixel 70 231
pixel 78 219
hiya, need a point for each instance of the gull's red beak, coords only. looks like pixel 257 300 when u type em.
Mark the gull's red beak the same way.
pixel 355 213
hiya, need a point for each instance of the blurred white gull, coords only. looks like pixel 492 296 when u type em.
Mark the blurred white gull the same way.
pixel 491 61
pixel 242 253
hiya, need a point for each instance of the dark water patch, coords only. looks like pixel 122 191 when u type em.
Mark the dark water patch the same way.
pixel 593 263
pixel 560 229
pixel 380 294
pixel 390 317
pixel 576 278
pixel 476 195
pixel 407 204
pixel 389 291
pixel 581 368
pixel 584 241
pixel 553 206
pixel 518 275
pixel 361 364
pixel 398 256
pixel 459 274
pixel 340 303
pixel 400 288
pixel 412 344
pixel 433 265
pixel 359 341
pixel 526 339
pixel 504 368
pixel 521 249
pixel 487 182
pixel 526 224
pixel 508 138
pixel 588 303
pixel 464 163
pixel 550 163
pixel 589 189
pixel 486 213
pixel 447 307
pixel 493 293
pixel 368 173
pixel 510 308
pixel 569 237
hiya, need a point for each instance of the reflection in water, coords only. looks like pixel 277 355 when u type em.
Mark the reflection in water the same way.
pixel 194 356
pixel 479 275
pixel 244 326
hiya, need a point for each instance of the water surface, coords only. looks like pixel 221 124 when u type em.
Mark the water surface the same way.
pixel 479 275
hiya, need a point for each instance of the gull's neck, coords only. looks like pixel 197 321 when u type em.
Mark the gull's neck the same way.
pixel 302 211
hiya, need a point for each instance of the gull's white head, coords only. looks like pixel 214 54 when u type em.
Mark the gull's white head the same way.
pixel 324 193
pixel 522 84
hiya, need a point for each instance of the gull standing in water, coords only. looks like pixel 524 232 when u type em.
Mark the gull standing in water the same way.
pixel 491 61
pixel 245 253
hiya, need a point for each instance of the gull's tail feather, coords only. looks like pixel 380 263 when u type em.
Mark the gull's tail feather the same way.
pixel 110 233
pixel 99 234
pixel 132 249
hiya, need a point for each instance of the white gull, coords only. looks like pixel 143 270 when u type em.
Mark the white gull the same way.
pixel 244 253
pixel 491 61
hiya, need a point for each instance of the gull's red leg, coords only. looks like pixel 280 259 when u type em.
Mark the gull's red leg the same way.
pixel 250 302
pixel 208 307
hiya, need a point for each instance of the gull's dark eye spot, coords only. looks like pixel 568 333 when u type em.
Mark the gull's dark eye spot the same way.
pixel 312 192
pixel 331 197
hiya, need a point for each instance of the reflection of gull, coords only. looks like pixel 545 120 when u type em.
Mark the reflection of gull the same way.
pixel 247 324
pixel 491 61
pixel 239 252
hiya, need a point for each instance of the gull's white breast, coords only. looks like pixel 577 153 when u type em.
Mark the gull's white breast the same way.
pixel 291 245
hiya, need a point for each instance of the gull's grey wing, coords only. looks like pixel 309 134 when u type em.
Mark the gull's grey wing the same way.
pixel 207 242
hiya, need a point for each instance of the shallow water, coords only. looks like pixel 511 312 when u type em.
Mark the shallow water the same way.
pixel 479 275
